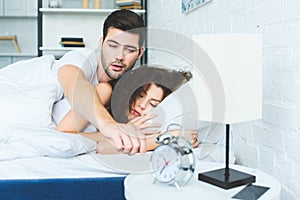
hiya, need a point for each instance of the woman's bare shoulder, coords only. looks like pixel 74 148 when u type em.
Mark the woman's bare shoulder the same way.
pixel 104 87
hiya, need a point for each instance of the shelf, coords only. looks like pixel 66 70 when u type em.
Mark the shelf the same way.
pixel 59 48
pixel 18 16
pixel 17 54
pixel 80 10
pixel 58 51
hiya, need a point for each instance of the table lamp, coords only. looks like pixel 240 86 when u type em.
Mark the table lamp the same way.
pixel 237 60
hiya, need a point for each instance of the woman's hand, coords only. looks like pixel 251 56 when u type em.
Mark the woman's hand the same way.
pixel 144 126
pixel 191 135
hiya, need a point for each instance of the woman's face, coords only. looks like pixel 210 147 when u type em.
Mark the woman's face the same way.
pixel 146 101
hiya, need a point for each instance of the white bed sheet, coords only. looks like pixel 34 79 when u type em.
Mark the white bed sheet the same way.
pixel 89 165
pixel 81 166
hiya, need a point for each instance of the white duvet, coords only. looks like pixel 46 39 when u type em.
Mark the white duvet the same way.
pixel 28 142
pixel 28 91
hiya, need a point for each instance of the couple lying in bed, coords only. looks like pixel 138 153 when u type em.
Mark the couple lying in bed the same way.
pixel 132 99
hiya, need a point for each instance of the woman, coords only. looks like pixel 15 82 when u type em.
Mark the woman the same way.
pixel 149 97
pixel 131 105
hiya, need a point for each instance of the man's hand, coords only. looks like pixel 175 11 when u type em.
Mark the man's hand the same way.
pixel 126 137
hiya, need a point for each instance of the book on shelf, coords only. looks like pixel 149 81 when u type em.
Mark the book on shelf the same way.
pixel 128 3
pixel 130 7
pixel 72 42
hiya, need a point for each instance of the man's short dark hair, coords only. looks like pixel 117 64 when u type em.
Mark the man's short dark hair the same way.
pixel 126 20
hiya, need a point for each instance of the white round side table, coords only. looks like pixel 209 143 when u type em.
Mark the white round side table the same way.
pixel 142 186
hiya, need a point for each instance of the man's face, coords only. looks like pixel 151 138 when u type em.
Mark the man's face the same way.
pixel 119 52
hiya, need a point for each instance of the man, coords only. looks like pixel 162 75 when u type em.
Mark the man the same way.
pixel 80 71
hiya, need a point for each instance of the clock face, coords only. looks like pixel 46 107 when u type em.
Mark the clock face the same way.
pixel 165 163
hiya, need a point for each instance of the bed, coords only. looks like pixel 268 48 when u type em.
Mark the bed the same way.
pixel 38 162
pixel 86 176
pixel 46 174
pixel 42 163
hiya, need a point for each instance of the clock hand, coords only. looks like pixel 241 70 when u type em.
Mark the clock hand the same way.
pixel 166 164
pixel 163 157
pixel 162 169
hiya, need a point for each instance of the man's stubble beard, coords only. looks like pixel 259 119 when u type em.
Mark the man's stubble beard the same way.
pixel 111 74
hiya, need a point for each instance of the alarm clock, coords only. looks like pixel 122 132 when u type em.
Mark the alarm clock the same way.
pixel 173 161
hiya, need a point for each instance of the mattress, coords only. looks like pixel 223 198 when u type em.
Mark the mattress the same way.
pixel 87 176
pixel 70 188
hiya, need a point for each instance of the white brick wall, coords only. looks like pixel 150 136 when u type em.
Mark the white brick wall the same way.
pixel 273 143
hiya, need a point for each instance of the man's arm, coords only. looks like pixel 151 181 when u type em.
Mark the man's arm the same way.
pixel 73 122
pixel 85 101
pixel 105 145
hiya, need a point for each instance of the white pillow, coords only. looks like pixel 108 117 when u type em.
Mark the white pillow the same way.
pixel 30 72
pixel 23 104
pixel 28 141
pixel 28 91
pixel 180 107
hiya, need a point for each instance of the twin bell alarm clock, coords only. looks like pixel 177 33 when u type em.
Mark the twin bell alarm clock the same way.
pixel 173 161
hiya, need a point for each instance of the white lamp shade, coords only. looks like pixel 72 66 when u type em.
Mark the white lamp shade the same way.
pixel 237 62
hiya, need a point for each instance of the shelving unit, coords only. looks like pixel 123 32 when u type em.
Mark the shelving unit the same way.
pixel 55 23
pixel 18 18
pixel 39 28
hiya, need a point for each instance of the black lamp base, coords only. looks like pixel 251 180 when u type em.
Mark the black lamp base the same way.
pixel 226 178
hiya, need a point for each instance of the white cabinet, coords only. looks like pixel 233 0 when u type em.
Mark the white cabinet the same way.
pixel 18 18
pixel 20 58
pixel 19 7
pixel 14 8
pixel 1 7
pixel 31 8
pixel 5 61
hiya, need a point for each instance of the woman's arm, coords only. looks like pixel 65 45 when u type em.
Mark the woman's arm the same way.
pixel 73 122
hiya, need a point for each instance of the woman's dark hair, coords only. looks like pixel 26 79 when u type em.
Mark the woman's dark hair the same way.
pixel 132 83
pixel 125 20
pixel 166 91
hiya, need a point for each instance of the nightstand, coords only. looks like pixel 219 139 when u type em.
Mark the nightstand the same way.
pixel 141 186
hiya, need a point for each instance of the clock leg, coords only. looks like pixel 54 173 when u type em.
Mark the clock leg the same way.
pixel 177 186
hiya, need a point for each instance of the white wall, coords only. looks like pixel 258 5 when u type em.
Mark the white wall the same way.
pixel 273 143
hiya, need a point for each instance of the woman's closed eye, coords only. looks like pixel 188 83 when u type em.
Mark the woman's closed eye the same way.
pixel 154 103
